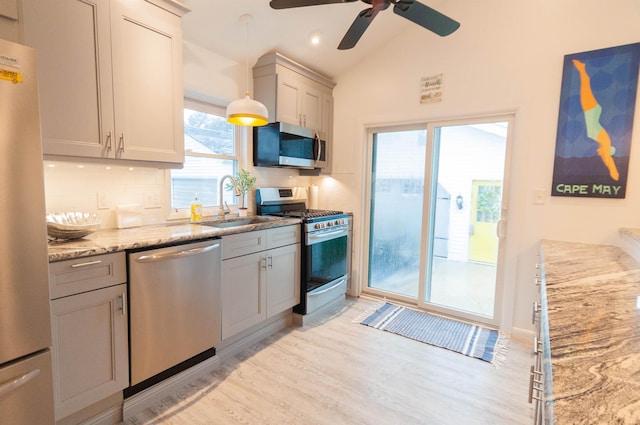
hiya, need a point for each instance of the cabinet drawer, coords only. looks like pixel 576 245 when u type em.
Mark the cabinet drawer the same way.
pixel 86 274
pixel 281 236
pixel 243 244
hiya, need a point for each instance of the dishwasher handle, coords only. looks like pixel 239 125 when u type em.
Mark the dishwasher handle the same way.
pixel 172 255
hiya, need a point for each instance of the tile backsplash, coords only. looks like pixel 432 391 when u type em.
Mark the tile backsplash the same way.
pixel 98 188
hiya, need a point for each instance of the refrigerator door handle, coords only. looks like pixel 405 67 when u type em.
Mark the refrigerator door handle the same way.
pixel 14 383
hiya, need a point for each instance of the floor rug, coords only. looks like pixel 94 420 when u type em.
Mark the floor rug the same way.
pixel 464 338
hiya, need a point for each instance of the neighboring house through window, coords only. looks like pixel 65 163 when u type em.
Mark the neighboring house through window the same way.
pixel 212 150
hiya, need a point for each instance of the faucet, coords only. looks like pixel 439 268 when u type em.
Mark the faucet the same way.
pixel 221 211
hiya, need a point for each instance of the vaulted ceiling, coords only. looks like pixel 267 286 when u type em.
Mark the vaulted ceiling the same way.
pixel 216 26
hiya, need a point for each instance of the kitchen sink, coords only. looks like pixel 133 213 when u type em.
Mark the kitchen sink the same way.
pixel 235 222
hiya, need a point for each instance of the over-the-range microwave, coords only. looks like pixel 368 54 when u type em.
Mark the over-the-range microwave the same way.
pixel 280 144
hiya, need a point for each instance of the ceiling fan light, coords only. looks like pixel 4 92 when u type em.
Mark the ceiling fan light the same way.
pixel 247 112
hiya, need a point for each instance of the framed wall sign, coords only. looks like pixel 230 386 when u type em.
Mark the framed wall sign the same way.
pixel 595 122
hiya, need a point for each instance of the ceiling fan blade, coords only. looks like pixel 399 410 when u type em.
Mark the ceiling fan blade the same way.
pixel 426 17
pixel 287 4
pixel 358 27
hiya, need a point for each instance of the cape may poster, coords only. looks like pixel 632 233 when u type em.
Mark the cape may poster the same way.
pixel 597 103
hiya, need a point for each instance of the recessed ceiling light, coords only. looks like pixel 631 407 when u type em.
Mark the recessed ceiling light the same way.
pixel 315 37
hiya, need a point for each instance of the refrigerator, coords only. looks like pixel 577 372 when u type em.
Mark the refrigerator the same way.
pixel 26 384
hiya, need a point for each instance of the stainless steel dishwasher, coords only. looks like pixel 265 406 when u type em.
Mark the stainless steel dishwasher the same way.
pixel 174 303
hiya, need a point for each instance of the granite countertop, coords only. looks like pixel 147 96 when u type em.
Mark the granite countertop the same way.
pixel 594 332
pixel 112 240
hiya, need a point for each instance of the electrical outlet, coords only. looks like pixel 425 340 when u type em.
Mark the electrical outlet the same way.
pixel 152 200
pixel 103 201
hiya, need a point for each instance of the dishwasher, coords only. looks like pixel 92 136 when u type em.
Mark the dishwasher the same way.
pixel 174 309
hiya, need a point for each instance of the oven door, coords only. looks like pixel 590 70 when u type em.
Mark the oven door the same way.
pixel 324 269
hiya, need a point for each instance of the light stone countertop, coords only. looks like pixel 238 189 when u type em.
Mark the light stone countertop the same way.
pixel 112 240
pixel 594 331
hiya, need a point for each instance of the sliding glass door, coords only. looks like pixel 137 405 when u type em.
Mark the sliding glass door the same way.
pixel 436 214
pixel 396 205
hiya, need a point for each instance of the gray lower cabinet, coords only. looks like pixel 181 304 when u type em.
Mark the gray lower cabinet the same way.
pixel 260 276
pixel 89 329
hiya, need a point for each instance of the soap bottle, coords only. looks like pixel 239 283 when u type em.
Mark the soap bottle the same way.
pixel 196 210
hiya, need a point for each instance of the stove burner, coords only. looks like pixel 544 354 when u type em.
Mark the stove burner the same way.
pixel 307 213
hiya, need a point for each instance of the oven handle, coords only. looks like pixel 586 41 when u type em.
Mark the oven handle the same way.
pixel 322 290
pixel 317 237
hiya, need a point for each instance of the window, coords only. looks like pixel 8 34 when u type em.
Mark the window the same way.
pixel 211 151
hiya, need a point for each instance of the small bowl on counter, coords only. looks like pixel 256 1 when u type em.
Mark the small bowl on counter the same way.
pixel 71 225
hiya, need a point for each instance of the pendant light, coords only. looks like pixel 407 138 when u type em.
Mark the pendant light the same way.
pixel 247 112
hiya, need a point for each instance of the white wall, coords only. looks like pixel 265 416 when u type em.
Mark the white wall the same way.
pixel 506 57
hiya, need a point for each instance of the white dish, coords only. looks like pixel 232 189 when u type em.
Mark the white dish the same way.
pixel 71 225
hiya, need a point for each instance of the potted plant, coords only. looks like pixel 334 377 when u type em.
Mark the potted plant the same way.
pixel 243 183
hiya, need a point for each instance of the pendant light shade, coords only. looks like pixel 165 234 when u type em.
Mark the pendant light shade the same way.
pixel 247 112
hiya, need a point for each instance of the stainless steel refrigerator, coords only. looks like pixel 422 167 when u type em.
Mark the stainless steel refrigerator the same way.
pixel 26 384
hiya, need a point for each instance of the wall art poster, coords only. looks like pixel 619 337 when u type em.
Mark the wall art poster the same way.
pixel 595 122
pixel 431 88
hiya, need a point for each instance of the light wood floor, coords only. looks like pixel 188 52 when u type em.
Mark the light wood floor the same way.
pixel 334 371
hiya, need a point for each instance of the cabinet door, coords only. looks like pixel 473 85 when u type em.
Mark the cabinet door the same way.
pixel 148 83
pixel 90 348
pixel 288 108
pixel 243 293
pixel 311 108
pixel 283 280
pixel 72 40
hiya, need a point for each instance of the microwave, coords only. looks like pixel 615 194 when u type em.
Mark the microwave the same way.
pixel 279 144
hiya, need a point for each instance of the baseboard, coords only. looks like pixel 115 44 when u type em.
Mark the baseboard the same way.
pixel 109 416
pixel 153 395
pixel 524 336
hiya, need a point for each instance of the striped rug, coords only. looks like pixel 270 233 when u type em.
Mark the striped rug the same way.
pixel 464 338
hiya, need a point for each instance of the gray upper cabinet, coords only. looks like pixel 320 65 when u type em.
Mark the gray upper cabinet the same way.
pixel 294 93
pixel 110 78
pixel 9 29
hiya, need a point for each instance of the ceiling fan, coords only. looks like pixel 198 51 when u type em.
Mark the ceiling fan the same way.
pixel 409 9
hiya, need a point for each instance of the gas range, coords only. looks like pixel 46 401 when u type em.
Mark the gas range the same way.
pixel 291 202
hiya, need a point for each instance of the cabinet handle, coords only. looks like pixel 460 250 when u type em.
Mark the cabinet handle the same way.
pixel 300 119
pixel 304 118
pixel 88 263
pixel 264 262
pixel 108 141
pixel 121 144
pixel 537 345
pixel 534 312
pixel 123 306
pixel 270 261
pixel 534 385
pixel 537 281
